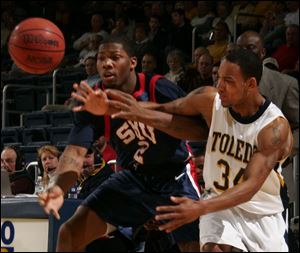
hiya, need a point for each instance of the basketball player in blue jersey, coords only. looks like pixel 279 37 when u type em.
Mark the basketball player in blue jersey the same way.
pixel 249 139
pixel 155 165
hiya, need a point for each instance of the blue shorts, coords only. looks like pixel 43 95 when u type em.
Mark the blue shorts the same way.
pixel 129 199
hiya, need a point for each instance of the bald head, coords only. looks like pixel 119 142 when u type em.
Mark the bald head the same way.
pixel 252 41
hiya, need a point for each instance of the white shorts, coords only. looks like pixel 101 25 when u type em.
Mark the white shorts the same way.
pixel 243 230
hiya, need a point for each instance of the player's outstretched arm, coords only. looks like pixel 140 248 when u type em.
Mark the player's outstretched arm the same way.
pixel 275 142
pixel 68 171
pixel 171 117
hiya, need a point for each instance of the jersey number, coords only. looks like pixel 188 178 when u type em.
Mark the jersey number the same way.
pixel 225 175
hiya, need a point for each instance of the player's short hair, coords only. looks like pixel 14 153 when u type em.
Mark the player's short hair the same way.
pixel 249 62
pixel 128 45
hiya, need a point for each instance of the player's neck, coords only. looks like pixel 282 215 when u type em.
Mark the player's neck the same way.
pixel 249 107
pixel 129 86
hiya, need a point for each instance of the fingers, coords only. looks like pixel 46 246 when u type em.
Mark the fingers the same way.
pixel 78 97
pixel 118 95
pixel 170 226
pixel 55 213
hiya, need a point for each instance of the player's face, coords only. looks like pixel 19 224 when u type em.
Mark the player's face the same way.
pixel 114 65
pixel 231 85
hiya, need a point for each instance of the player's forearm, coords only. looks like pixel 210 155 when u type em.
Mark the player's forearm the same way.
pixel 177 126
pixel 232 197
pixel 70 164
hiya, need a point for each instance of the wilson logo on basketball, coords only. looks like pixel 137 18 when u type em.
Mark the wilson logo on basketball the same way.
pixel 41 60
pixel 39 39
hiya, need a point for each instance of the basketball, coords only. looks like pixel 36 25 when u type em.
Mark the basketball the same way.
pixel 36 45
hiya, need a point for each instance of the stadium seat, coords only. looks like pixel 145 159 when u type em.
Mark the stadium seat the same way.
pixel 61 118
pixel 10 135
pixel 58 134
pixel 34 119
pixel 34 134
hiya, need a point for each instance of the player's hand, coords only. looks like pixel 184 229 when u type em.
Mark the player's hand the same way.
pixel 93 101
pixel 52 200
pixel 185 212
pixel 125 105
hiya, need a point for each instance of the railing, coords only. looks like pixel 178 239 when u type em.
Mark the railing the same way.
pixel 8 86
pixel 54 85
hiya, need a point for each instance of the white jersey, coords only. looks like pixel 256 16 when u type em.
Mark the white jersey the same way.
pixel 231 143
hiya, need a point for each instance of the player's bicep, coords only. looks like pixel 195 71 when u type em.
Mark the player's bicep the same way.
pixel 275 140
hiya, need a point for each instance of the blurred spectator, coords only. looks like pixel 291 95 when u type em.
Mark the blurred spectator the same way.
pixel 159 38
pixel 221 38
pixel 243 22
pixel 205 65
pixel 90 50
pixel 214 74
pixel 287 54
pixel 230 47
pixel 224 9
pixel 271 63
pixel 204 18
pixel 83 43
pixel 122 27
pixel 197 53
pixel 13 161
pixel 274 19
pixel 281 89
pixel 142 44
pixel 180 36
pixel 190 80
pixel 90 66
pixel 149 63
pixel 175 61
pixel 292 17
pixel 48 156
pixel 189 7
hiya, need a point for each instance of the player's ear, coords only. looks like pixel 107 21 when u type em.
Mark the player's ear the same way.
pixel 133 63
pixel 252 83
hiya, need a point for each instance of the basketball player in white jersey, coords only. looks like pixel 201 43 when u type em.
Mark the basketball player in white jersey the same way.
pixel 249 139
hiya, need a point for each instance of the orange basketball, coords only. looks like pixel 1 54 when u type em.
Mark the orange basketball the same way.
pixel 36 45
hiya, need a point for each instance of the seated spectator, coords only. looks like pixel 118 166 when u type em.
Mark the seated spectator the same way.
pixel 220 41
pixel 223 10
pixel 197 53
pixel 142 44
pixel 205 66
pixel 82 43
pixel 149 63
pixel 13 161
pixel 48 156
pixel 214 74
pixel 190 79
pixel 203 21
pixel 180 34
pixel 94 172
pixel 271 63
pixel 175 61
pixel 90 50
pixel 287 54
pixel 122 27
pixel 230 47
